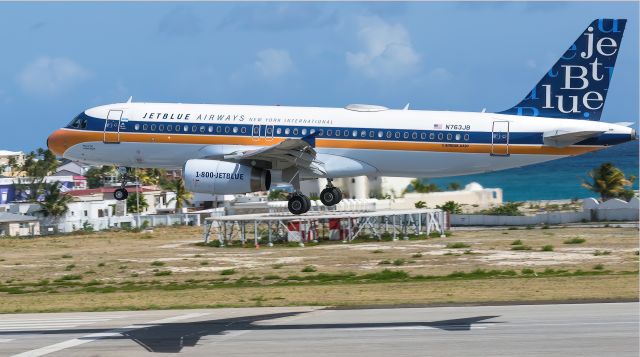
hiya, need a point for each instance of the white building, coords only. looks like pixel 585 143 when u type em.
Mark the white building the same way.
pixel 360 187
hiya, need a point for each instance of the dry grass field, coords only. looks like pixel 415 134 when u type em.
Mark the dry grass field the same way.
pixel 168 269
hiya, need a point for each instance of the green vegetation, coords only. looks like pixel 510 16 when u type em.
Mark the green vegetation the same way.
pixel 162 273
pixel 399 262
pixel 454 186
pixel 204 263
pixel 547 248
pixel 182 196
pixel 228 272
pixel 417 255
pixel 516 242
pixel 309 269
pixel 603 252
pixel 420 204
pixel 421 186
pixel 157 263
pixel 384 262
pixel 67 256
pixel 451 207
pixel 278 195
pixel 457 245
pixel 69 267
pixel 527 271
pixel 521 247
pixel 507 209
pixel 610 182
pixel 576 240
pixel 377 251
pixel 136 203
pixel 598 267
pixel 277 266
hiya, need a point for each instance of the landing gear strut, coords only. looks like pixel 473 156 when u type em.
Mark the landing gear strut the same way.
pixel 121 194
pixel 298 203
pixel 331 195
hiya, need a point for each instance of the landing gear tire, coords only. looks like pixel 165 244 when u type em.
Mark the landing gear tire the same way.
pixel 121 194
pixel 331 196
pixel 298 204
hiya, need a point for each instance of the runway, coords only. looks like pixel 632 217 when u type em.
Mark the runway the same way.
pixel 511 330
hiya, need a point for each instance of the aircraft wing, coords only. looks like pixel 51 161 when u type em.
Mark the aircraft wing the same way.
pixel 565 137
pixel 299 153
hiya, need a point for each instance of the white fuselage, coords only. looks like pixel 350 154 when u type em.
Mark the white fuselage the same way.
pixel 371 141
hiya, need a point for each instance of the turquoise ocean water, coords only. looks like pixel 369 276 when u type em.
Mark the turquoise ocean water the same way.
pixel 558 179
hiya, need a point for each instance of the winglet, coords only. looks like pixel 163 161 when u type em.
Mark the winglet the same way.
pixel 310 139
pixel 130 99
pixel 406 107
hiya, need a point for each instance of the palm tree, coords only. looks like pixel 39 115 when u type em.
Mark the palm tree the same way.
pixel 182 195
pixel 136 203
pixel 419 186
pixel 608 181
pixel 55 202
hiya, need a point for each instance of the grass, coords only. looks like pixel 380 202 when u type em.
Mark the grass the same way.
pixel 101 264
pixel 516 242
pixel 399 262
pixel 69 267
pixel 162 273
pixel 157 263
pixel 601 252
pixel 277 266
pixel 67 256
pixel 547 248
pixel 576 240
pixel 521 247
pixel 204 263
pixel 309 269
pixel 384 262
pixel 416 255
pixel 228 272
pixel 598 267
pixel 457 245
pixel 377 251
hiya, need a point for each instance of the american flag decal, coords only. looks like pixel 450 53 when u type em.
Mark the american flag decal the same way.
pixel 437 126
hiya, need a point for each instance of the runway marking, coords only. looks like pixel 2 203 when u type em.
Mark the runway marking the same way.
pixel 3 340
pixel 100 335
pixel 52 323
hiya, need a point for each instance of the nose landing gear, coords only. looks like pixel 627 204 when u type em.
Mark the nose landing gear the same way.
pixel 121 194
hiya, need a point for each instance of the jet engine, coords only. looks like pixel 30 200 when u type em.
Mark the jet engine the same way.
pixel 224 178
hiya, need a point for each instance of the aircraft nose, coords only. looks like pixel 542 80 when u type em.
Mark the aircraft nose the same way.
pixel 56 143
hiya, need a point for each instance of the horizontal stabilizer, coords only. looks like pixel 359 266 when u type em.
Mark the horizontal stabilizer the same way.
pixel 624 123
pixel 564 137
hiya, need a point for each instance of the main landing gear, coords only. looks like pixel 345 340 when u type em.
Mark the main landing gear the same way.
pixel 300 204
pixel 121 194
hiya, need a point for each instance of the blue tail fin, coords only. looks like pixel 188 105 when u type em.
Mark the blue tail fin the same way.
pixel 576 86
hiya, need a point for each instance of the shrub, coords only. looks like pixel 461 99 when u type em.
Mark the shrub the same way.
pixel 420 204
pixel 67 256
pixel 69 277
pixel 451 207
pixel 457 245
pixel 517 242
pixel 527 271
pixel 576 240
pixel 384 262
pixel 162 273
pixel 603 252
pixel 309 269
pixel 204 263
pixel 521 247
pixel 277 266
pixel 507 209
pixel 598 267
pixel 547 248
pixel 157 263
pixel 101 264
pixel 417 255
pixel 377 251
pixel 69 267
pixel 228 272
pixel 399 262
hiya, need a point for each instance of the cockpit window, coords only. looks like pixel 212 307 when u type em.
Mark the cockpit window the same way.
pixel 79 122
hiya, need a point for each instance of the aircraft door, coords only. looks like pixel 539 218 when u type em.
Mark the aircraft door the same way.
pixel 262 132
pixel 500 138
pixel 112 127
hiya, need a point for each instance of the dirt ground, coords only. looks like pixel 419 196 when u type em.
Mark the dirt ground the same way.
pixel 69 265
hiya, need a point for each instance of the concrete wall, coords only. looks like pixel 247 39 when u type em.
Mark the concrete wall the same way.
pixel 16 229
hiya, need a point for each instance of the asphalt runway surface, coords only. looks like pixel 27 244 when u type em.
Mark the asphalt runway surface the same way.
pixel 609 329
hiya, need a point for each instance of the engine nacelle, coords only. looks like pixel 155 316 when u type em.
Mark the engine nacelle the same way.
pixel 224 178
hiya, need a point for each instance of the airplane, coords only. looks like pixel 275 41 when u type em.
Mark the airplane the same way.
pixel 232 149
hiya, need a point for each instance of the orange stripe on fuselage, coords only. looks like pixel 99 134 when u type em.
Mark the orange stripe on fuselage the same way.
pixel 62 139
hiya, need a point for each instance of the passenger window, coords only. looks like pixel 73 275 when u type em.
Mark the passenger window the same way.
pixel 202 128
pixel 372 134
pixel 423 136
pixel 227 129
pixel 320 132
pixel 210 128
pixel 153 127
pixel 406 135
pixel 354 133
pixel 380 134
pixel 363 133
pixel 235 129
pixel 160 127
pixel 338 133
pixel 449 136
pixel 243 130
pixel 295 131
pixel 137 126
pixel 457 136
pixel 312 131
pixel 397 135
pixel 303 132
pixel 440 136
pixel 466 137
pixel 169 127
pixel 177 127
pixel 346 132
pixel 329 132
pixel 145 127
pixel 279 131
pixel 432 136
pixel 218 129
pixel 287 131
pixel 194 128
